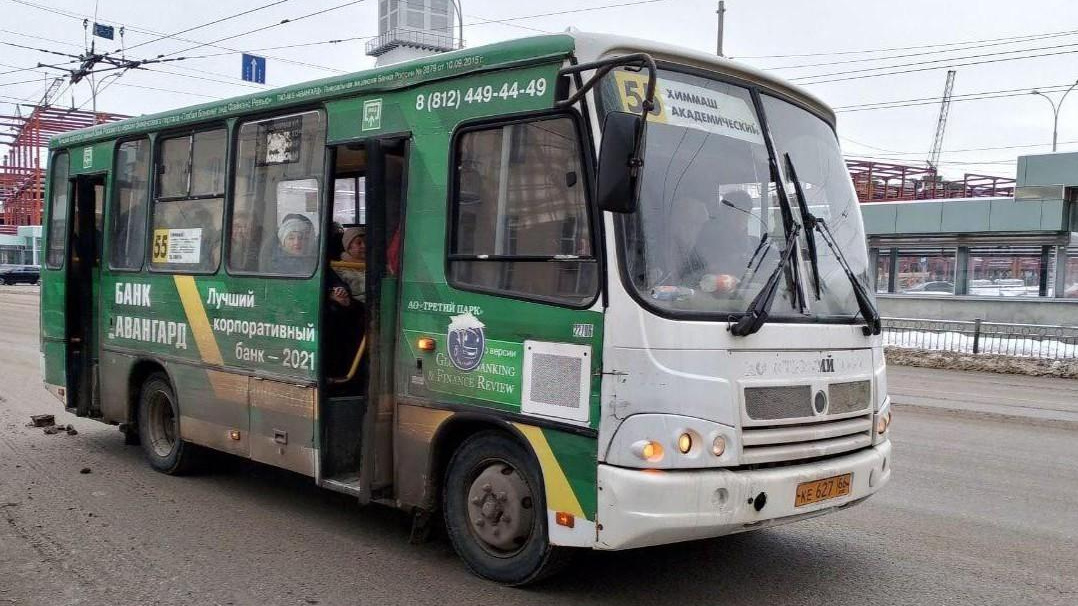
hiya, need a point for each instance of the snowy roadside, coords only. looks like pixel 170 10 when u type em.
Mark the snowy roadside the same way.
pixel 1004 364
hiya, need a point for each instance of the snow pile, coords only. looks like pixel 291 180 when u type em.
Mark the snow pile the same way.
pixel 1027 347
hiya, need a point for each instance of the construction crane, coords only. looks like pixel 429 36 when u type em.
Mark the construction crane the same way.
pixel 941 123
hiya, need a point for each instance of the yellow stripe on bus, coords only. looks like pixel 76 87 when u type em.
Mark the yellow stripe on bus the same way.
pixel 198 320
pixel 559 494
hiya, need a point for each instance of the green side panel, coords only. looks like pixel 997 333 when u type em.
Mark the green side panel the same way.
pixel 55 354
pixel 91 158
pixel 579 459
pixel 259 324
pixel 389 78
pixel 431 112
pixel 428 304
pixel 53 291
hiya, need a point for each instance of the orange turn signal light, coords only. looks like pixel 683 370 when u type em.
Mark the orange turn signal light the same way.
pixel 426 344
pixel 234 434
pixel 564 518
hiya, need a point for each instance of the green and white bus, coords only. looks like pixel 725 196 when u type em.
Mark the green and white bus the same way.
pixel 562 326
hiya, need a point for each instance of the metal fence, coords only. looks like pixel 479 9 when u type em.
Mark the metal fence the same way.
pixel 979 337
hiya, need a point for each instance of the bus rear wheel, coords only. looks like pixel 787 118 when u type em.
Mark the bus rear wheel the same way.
pixel 495 512
pixel 159 428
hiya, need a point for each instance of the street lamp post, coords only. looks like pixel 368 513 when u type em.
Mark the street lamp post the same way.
pixel 1055 111
pixel 460 22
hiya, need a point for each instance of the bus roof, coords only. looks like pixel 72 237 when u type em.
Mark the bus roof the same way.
pixel 386 78
pixel 590 47
pixel 587 47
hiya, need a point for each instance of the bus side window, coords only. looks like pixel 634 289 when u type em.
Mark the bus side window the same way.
pixel 189 203
pixel 58 209
pixel 520 216
pixel 275 213
pixel 127 232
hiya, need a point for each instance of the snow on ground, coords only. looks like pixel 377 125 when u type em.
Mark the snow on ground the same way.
pixel 963 343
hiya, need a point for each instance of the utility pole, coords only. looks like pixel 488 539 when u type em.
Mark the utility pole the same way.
pixel 721 12
pixel 1055 111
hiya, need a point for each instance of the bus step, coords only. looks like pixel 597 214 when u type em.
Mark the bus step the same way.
pixel 348 484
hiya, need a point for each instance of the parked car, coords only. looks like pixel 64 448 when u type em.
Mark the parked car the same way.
pixel 14 274
pixel 938 288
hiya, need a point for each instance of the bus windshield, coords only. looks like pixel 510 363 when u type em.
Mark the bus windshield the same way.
pixel 710 227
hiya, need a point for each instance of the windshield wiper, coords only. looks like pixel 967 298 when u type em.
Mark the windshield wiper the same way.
pixel 807 219
pixel 812 222
pixel 757 313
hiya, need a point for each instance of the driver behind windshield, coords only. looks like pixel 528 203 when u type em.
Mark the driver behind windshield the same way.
pixel 722 247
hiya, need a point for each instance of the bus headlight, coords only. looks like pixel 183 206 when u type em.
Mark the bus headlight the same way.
pixel 648 450
pixel 684 443
pixel 665 441
pixel 883 420
pixel 718 446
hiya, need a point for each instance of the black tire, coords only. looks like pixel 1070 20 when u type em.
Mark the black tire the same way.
pixel 159 428
pixel 534 558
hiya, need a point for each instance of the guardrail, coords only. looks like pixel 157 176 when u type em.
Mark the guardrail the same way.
pixel 1039 341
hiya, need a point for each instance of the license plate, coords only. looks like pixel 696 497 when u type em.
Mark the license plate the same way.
pixel 821 490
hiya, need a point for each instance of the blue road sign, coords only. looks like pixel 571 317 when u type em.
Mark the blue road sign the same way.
pixel 254 68
pixel 104 31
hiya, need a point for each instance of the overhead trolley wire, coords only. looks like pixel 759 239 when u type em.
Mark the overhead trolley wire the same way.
pixel 897 48
pixel 142 30
pixel 979 96
pixel 949 62
pixel 270 26
pixel 207 24
pixel 922 54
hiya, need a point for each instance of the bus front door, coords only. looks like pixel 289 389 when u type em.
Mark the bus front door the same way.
pixel 357 412
pixel 83 289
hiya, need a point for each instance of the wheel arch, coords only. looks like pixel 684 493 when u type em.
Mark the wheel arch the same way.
pixel 140 371
pixel 452 434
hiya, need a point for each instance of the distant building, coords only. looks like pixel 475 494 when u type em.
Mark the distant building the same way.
pixel 410 29
pixel 960 258
pixel 20 245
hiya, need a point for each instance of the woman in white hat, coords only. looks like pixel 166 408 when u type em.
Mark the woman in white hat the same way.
pixel 295 253
pixel 355 253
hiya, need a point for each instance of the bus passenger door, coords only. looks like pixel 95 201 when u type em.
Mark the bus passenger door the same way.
pixel 357 412
pixel 83 290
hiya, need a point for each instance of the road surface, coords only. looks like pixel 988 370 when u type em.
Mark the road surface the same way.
pixel 980 511
pixel 1042 399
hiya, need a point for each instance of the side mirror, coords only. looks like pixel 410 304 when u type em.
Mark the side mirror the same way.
pixel 617 187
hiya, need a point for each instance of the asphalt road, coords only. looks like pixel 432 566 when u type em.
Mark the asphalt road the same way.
pixel 980 511
pixel 1042 399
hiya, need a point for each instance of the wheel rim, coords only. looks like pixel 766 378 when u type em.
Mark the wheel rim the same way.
pixel 161 424
pixel 500 509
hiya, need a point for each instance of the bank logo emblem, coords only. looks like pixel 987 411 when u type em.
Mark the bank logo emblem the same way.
pixel 372 114
pixel 467 343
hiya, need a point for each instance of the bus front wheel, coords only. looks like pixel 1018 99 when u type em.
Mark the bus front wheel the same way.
pixel 495 512
pixel 159 428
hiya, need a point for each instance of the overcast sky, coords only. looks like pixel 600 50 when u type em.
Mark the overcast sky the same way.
pixel 828 34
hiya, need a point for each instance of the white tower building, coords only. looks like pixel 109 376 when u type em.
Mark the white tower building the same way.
pixel 408 29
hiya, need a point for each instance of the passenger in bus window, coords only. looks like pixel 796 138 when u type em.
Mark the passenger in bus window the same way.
pixel 295 251
pixel 355 254
pixel 246 239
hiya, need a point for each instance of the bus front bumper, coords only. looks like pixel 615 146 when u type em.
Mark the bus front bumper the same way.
pixel 639 507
